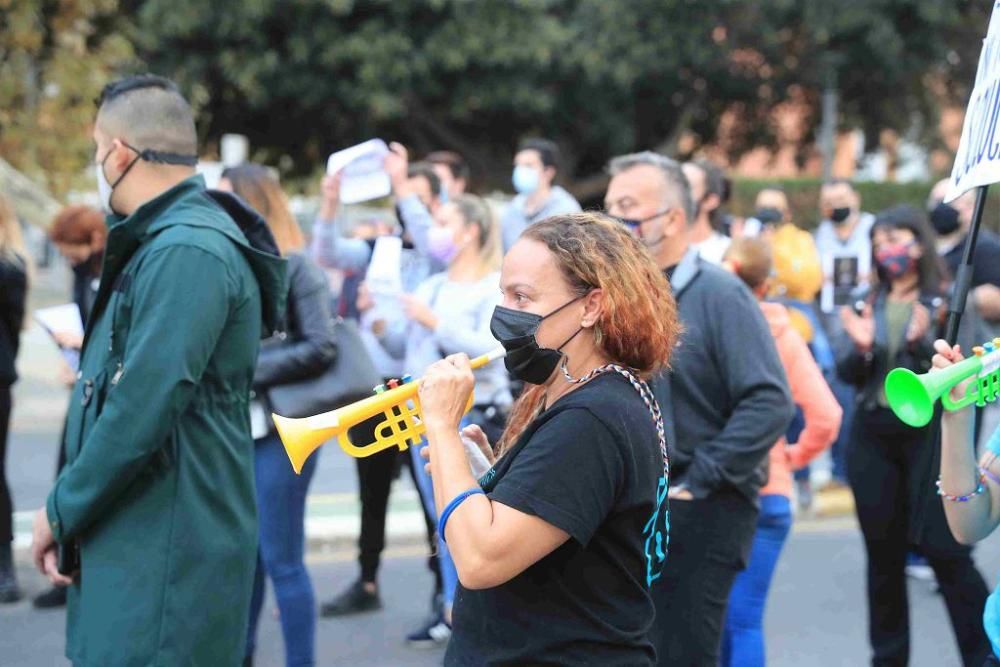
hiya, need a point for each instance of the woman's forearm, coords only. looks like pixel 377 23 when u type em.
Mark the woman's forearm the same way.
pixel 451 476
pixel 969 521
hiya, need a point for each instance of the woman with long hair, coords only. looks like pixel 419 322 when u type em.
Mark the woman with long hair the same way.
pixel 557 544
pixel 895 327
pixel 302 351
pixel 14 270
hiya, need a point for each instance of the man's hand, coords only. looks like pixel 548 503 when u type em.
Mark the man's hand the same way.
pixel 987 300
pixel 44 550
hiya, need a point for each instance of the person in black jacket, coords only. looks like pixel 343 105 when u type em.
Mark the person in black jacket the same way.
pixel 304 350
pixel 725 402
pixel 13 292
pixel 895 327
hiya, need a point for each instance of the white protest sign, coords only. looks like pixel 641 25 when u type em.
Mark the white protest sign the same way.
pixel 977 161
pixel 384 278
pixel 362 175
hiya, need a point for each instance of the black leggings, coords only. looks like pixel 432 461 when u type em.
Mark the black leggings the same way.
pixel 6 507
pixel 883 466
pixel 375 475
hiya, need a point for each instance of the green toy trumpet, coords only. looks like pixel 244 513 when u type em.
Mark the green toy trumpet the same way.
pixel 912 396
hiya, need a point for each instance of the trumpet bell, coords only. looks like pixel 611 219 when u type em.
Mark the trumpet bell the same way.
pixel 912 396
pixel 301 438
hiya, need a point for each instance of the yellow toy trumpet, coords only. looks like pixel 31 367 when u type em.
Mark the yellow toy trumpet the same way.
pixel 912 396
pixel 402 426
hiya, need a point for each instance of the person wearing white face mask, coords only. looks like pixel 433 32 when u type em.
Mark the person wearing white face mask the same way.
pixel 535 169
pixel 449 313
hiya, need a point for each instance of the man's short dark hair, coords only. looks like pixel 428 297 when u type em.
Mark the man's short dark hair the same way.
pixel 715 184
pixel 425 170
pixel 676 189
pixel 547 150
pixel 455 163
pixel 149 113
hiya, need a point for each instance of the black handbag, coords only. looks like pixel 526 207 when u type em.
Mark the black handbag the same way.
pixel 351 377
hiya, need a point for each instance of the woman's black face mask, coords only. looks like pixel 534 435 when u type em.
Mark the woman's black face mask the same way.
pixel 516 331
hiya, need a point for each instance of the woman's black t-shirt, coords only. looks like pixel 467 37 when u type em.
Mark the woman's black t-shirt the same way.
pixel 590 465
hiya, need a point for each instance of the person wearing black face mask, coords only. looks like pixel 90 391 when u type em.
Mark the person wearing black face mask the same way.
pixel 843 240
pixel 570 522
pixel 951 221
pixel 708 188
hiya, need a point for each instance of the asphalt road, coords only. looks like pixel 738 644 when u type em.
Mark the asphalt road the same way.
pixel 816 614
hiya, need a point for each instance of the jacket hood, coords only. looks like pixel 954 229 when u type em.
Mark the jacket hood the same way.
pixel 261 252
pixel 776 316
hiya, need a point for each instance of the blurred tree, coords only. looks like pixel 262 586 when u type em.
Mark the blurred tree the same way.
pixel 304 77
pixel 55 55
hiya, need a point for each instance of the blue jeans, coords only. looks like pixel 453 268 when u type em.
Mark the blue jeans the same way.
pixel 449 576
pixel 844 393
pixel 281 508
pixel 743 637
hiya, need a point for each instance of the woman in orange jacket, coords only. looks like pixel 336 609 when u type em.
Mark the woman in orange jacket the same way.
pixel 743 638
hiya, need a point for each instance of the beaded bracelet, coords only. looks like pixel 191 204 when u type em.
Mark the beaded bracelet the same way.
pixel 980 487
pixel 452 506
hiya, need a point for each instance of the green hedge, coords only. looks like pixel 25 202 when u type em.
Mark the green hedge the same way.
pixel 803 197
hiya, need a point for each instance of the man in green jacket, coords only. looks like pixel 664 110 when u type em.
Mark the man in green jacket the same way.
pixel 154 515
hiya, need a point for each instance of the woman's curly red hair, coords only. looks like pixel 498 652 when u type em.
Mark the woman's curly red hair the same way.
pixel 639 324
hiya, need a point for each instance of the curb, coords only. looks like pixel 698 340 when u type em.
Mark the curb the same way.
pixel 333 521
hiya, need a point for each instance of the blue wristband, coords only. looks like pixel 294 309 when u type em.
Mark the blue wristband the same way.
pixel 452 506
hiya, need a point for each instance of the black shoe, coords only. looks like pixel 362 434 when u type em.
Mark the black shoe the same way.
pixel 355 600
pixel 51 599
pixel 9 591
pixel 436 633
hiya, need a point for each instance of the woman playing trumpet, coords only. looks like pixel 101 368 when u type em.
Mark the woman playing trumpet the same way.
pixel 450 312
pixel 557 544
pixel 970 489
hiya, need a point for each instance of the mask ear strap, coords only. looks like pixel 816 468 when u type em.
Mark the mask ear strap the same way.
pixel 566 342
pixel 125 173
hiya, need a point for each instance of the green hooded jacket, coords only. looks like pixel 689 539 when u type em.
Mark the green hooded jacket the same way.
pixel 158 488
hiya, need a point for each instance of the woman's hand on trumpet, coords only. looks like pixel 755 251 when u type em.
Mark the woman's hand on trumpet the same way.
pixel 444 393
pixel 948 355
